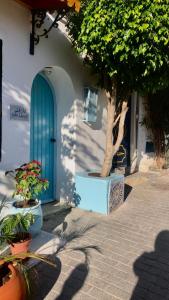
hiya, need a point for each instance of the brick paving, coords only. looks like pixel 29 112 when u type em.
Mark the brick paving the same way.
pixel 125 255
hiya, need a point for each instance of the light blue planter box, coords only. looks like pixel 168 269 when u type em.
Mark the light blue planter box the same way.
pixel 99 194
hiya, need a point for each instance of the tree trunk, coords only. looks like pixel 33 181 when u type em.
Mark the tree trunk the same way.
pixel 111 102
pixel 111 148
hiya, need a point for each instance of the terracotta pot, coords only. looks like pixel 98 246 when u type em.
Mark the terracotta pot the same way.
pixel 14 288
pixel 21 247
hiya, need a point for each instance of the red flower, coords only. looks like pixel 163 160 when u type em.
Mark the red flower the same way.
pixel 31 173
pixel 43 180
pixel 37 169
pixel 36 162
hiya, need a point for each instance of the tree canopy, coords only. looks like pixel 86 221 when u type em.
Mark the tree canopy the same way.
pixel 125 40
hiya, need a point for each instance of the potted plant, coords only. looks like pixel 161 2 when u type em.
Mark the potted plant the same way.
pixel 14 280
pixel 114 38
pixel 29 185
pixel 11 282
pixel 14 231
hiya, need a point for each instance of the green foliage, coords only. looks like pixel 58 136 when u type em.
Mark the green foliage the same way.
pixel 28 182
pixel 19 261
pixel 125 40
pixel 14 225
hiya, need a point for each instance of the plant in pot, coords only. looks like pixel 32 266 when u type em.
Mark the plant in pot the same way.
pixel 14 269
pixel 29 185
pixel 14 231
pixel 113 38
pixel 14 279
pixel 14 276
pixel 12 284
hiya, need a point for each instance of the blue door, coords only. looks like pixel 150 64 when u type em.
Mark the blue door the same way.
pixel 42 132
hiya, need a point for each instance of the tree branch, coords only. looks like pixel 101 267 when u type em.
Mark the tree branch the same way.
pixel 116 121
pixel 121 127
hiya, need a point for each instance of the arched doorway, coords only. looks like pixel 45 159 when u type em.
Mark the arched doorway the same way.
pixel 42 131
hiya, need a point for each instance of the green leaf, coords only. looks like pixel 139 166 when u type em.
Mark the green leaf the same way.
pixel 124 40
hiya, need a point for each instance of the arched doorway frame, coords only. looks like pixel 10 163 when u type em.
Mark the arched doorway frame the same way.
pixel 64 101
pixel 42 74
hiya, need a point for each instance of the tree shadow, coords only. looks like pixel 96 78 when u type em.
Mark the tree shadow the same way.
pixel 152 270
pixel 77 278
pixel 69 237
pixel 74 282
pixel 43 277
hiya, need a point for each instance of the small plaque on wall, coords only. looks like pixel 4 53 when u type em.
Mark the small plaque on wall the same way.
pixel 18 112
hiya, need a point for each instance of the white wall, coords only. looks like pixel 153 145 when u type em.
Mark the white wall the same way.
pixel 80 146
pixel 91 138
pixel 133 133
pixel 68 79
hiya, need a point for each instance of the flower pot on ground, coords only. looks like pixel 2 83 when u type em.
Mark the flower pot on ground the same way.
pixel 21 244
pixel 99 194
pixel 12 284
pixel 29 185
pixel 14 279
pixel 14 231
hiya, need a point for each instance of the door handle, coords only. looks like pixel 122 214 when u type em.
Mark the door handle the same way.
pixel 53 140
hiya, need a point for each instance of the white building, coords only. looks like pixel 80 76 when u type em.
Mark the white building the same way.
pixel 57 130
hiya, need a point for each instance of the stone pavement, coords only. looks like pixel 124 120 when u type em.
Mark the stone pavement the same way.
pixel 121 256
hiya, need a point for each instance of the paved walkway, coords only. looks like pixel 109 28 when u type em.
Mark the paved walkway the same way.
pixel 123 256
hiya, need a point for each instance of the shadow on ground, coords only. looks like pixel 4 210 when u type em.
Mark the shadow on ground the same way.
pixel 43 277
pixel 74 282
pixel 152 270
pixel 127 190
pixel 59 217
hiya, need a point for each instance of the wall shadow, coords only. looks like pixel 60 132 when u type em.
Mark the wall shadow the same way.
pixel 59 217
pixel 152 270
